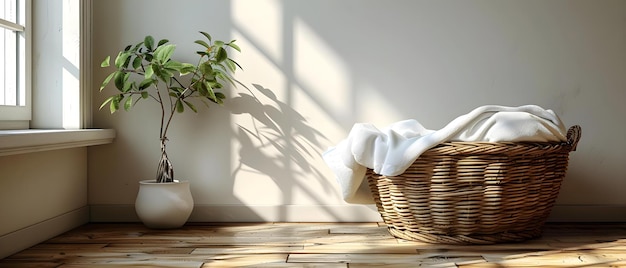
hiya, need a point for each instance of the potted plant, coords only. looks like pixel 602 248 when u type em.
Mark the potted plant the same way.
pixel 146 71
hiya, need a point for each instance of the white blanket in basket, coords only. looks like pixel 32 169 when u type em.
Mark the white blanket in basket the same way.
pixel 391 150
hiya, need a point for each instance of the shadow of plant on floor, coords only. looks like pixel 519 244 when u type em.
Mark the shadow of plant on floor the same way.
pixel 276 141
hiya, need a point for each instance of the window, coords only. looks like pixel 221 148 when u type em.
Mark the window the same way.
pixel 15 110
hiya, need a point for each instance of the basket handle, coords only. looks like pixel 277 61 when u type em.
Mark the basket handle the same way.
pixel 573 136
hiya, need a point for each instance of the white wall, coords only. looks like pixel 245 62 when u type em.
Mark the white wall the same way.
pixel 317 67
pixel 41 195
pixel 33 193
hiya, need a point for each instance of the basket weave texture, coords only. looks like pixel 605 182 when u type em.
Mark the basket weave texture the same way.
pixel 474 192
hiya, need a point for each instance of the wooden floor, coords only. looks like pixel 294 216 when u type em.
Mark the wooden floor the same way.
pixel 314 245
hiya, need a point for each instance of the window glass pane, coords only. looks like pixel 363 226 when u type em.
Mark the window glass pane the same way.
pixel 8 67
pixel 20 63
pixel 10 91
pixel 8 10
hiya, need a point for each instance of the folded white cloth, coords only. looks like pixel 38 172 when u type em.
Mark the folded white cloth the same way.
pixel 392 150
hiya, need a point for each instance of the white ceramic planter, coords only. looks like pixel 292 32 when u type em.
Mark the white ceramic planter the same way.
pixel 164 205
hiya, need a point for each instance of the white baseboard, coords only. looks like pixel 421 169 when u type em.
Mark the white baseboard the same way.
pixel 336 213
pixel 29 236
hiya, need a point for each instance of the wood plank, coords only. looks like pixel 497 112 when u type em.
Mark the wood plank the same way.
pixel 355 258
pixel 138 264
pixel 30 264
pixel 612 263
pixel 563 259
pixel 245 250
pixel 250 241
pixel 496 265
pixel 359 247
pixel 246 260
pixel 50 246
pixel 134 259
pixel 382 231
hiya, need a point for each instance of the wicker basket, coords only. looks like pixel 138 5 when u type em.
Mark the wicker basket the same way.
pixel 474 192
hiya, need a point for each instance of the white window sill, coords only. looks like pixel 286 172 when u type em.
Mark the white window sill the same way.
pixel 36 140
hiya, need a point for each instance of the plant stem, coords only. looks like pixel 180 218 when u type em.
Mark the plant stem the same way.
pixel 165 170
pixel 167 126
pixel 160 100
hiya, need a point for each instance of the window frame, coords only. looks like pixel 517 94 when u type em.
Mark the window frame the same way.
pixel 18 117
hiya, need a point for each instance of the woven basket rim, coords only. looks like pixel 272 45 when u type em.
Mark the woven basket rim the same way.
pixel 494 148
pixel 509 148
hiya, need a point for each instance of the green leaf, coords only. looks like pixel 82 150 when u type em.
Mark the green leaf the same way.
pixel 162 74
pixel 215 97
pixel 105 62
pixel 221 65
pixel 115 103
pixel 220 95
pixel 218 100
pixel 109 99
pixel 148 42
pixel 231 60
pixel 126 76
pixel 210 91
pixel 128 103
pixel 107 80
pixel 149 72
pixel 127 61
pixel 163 53
pixel 145 94
pixel 127 48
pixel 145 83
pixel 206 68
pixel 162 42
pixel 190 105
pixel 136 62
pixel 119 80
pixel 121 59
pixel 173 66
pixel 166 73
pixel 157 69
pixel 179 106
pixel 203 89
pixel 208 36
pixel 218 43
pixel 215 84
pixel 209 77
pixel 128 86
pixel 231 65
pixel 187 68
pixel 233 45
pixel 202 43
pixel 224 76
pixel 221 54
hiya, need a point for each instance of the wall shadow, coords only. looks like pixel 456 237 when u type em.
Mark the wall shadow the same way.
pixel 279 143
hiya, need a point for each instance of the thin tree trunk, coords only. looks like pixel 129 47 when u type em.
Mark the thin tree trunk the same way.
pixel 165 171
